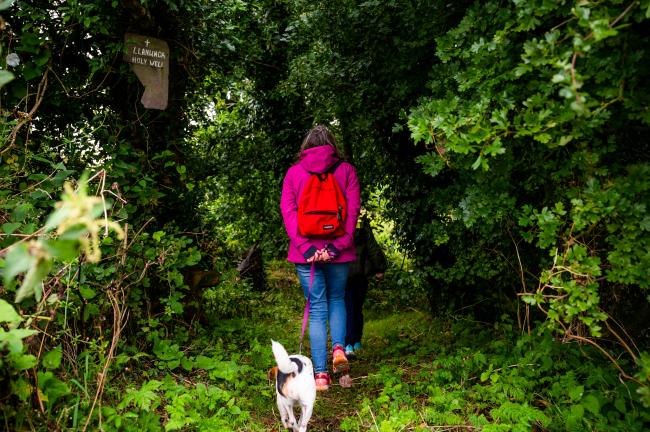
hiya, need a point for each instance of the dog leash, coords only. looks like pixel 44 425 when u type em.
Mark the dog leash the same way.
pixel 305 315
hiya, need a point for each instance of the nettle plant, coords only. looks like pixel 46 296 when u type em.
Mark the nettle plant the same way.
pixel 76 224
pixel 71 230
pixel 541 108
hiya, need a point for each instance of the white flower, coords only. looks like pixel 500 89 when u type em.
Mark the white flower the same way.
pixel 13 60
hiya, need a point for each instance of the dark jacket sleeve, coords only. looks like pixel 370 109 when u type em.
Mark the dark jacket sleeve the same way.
pixel 376 259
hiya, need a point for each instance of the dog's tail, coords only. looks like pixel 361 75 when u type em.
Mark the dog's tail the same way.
pixel 285 365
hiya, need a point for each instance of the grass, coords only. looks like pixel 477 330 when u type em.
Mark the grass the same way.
pixel 383 331
pixel 381 336
pixel 390 340
pixel 423 373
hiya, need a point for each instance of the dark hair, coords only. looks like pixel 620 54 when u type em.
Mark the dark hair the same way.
pixel 316 137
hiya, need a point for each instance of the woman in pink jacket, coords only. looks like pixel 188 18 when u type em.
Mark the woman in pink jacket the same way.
pixel 331 257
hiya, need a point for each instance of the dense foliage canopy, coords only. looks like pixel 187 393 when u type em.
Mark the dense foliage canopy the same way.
pixel 502 147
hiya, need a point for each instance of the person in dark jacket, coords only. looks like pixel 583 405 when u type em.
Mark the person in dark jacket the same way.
pixel 370 262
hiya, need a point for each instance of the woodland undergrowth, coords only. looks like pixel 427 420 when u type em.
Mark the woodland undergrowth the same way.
pixel 503 152
pixel 416 372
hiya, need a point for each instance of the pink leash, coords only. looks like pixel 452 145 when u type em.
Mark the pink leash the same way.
pixel 305 315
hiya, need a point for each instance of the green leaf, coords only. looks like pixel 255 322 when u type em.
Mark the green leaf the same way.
pixel 43 58
pixel 619 404
pixel 13 339
pixel 55 218
pixel 52 359
pixel 203 362
pixel 23 361
pixel 87 292
pixel 52 387
pixel 61 176
pixel 187 364
pixel 18 260
pixel 44 160
pixel 64 250
pixel 529 299
pixel 5 77
pixel 74 232
pixel 226 370
pixel 6 4
pixel 495 148
pixel 31 71
pixel 576 392
pixel 591 403
pixel 90 310
pixel 576 415
pixel 8 313
pixel 477 162
pixel 23 333
pixel 645 223
pixel 33 278
pixel 564 140
pixel 21 388
pixel 21 212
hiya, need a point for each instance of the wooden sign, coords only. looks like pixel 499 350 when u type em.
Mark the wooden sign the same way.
pixel 149 59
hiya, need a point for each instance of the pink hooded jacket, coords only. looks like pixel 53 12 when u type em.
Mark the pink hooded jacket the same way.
pixel 319 159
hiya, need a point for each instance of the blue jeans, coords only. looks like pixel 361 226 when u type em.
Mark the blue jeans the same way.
pixel 327 303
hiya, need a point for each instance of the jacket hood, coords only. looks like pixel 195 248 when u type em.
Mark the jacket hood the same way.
pixel 318 159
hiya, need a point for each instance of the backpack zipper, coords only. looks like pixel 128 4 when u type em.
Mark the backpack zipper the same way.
pixel 327 212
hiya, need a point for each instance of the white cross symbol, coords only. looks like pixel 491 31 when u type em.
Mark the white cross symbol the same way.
pixel 146 42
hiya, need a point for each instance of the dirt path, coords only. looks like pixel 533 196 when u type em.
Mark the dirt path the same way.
pixel 382 332
pixel 380 353
pixel 338 402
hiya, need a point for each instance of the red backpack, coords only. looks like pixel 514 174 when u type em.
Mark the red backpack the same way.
pixel 321 207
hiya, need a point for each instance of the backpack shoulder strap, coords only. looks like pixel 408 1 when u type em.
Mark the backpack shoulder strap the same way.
pixel 329 170
pixel 335 166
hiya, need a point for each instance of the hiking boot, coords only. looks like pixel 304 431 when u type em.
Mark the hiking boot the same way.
pixel 357 347
pixel 322 381
pixel 349 350
pixel 339 360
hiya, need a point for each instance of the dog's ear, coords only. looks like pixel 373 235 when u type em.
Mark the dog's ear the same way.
pixel 272 373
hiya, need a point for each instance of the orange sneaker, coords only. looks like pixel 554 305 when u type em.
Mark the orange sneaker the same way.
pixel 339 360
pixel 322 381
